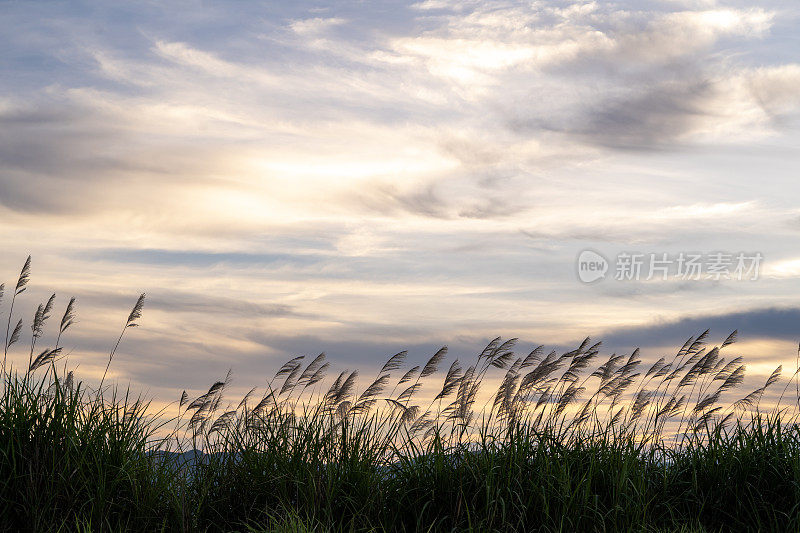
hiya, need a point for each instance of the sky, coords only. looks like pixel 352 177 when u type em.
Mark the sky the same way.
pixel 359 178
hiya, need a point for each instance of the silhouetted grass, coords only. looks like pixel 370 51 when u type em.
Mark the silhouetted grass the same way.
pixel 538 442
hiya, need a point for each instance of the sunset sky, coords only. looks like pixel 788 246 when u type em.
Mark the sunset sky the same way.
pixel 287 178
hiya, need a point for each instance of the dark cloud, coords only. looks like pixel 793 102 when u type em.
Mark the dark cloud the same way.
pixel 493 207
pixel 363 354
pixel 428 201
pixel 768 323
pixel 593 234
pixel 60 157
pixel 174 361
pixel 648 117
pixel 656 118
pixel 49 136
pixel 194 303
pixel 387 199
pixel 198 259
pixel 187 361
pixel 627 289
pixel 187 302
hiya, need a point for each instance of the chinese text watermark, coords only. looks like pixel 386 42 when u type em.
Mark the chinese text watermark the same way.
pixel 634 266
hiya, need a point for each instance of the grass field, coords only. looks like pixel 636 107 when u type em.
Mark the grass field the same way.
pixel 534 442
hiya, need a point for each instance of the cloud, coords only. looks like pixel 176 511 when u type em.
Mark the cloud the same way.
pixel 172 301
pixel 70 154
pixel 642 224
pixel 199 259
pixel 671 114
pixel 657 117
pixel 492 207
pixel 385 198
pixel 766 323
pixel 316 25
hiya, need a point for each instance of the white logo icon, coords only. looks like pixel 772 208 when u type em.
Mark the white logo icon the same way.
pixel 591 266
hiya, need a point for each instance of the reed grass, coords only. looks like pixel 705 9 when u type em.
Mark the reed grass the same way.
pixel 576 441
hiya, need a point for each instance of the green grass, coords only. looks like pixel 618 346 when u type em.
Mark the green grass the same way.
pixel 538 442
